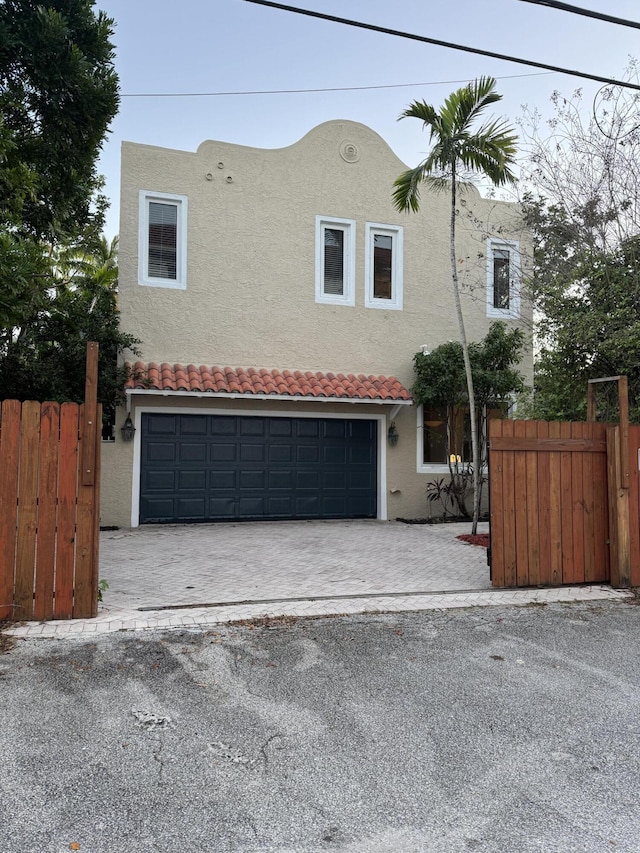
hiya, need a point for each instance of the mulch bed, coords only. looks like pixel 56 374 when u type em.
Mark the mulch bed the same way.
pixel 481 539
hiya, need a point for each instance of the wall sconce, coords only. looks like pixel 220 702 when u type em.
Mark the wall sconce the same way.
pixel 127 429
pixel 392 434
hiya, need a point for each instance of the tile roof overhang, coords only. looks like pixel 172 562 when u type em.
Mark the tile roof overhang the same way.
pixel 251 383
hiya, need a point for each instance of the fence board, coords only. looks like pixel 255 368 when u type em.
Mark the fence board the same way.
pixel 496 492
pixel 65 540
pixel 577 492
pixel 532 506
pixel 508 513
pixel 9 464
pixel 544 507
pixel 601 571
pixel 634 503
pixel 27 510
pixel 83 602
pixel 566 510
pixel 555 512
pixel 47 500
pixel 520 509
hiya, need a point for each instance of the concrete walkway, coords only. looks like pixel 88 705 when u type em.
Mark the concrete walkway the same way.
pixel 175 576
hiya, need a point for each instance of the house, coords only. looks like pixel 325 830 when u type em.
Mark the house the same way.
pixel 280 299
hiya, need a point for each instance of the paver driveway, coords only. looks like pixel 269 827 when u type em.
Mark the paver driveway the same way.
pixel 170 565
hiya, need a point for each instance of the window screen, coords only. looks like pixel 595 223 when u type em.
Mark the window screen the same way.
pixel 163 240
pixel 333 280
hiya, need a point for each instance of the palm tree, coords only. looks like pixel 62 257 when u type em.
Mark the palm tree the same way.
pixel 457 154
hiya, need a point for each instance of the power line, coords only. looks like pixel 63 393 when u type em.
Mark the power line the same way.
pixel 307 91
pixel 451 45
pixel 588 13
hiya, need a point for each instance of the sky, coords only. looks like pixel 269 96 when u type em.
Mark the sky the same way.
pixel 232 46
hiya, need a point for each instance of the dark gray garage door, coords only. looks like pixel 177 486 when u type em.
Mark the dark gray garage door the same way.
pixel 222 468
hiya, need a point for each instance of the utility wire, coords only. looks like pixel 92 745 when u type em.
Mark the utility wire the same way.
pixel 425 39
pixel 307 91
pixel 588 13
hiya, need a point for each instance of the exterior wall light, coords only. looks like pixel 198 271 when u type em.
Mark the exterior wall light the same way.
pixel 392 434
pixel 127 429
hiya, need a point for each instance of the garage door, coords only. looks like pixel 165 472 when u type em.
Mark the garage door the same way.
pixel 224 468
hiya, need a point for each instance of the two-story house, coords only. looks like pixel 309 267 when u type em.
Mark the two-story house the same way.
pixel 280 299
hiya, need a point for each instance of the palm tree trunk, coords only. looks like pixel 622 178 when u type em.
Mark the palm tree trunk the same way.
pixel 465 355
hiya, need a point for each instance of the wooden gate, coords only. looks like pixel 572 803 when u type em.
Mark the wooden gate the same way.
pixel 49 506
pixel 548 487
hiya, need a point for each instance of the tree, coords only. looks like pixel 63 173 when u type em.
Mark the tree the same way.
pixel 441 382
pixel 459 151
pixel 45 359
pixel 583 208
pixel 58 95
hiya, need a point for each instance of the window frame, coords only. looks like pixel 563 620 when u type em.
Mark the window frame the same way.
pixel 180 202
pixel 515 275
pixel 423 467
pixel 348 227
pixel 396 232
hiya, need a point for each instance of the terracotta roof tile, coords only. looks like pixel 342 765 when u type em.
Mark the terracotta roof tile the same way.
pixel 251 381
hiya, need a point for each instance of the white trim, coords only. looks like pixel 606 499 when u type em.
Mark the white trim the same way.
pixel 285 398
pixel 515 275
pixel 421 468
pixel 348 227
pixel 396 232
pixel 181 203
pixel 381 497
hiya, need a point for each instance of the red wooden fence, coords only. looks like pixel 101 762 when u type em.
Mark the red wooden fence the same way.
pixel 549 503
pixel 49 514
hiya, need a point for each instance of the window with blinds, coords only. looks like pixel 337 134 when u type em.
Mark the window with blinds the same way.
pixel 501 278
pixel 162 240
pixel 335 260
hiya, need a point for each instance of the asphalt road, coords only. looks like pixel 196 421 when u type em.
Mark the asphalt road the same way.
pixel 481 730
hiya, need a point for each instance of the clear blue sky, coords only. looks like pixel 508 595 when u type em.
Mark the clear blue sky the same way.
pixel 234 46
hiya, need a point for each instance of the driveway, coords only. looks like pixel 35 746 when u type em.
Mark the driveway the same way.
pixel 203 564
pixel 494 730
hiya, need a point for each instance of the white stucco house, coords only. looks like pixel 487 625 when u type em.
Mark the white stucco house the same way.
pixel 280 299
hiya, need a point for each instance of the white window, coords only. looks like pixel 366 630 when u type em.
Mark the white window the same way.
pixel 335 260
pixel 162 240
pixel 445 432
pixel 503 279
pixel 383 266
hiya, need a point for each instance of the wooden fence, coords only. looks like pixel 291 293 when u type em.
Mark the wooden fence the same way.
pixel 50 505
pixel 550 504
pixel 49 510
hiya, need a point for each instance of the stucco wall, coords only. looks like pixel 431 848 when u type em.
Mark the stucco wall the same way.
pixel 250 294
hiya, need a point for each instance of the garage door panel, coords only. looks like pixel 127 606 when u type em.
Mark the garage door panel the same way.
pixel 191 509
pixel 225 467
pixel 280 453
pixel 223 452
pixel 334 480
pixel 252 426
pixel 193 425
pixel 280 507
pixel 222 424
pixel 252 453
pixel 251 507
pixel 253 479
pixel 280 480
pixel 190 452
pixel 307 453
pixel 223 480
pixel 335 455
pixel 222 508
pixel 307 428
pixel 192 480
pixel 307 480
pixel 160 452
pixel 161 424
